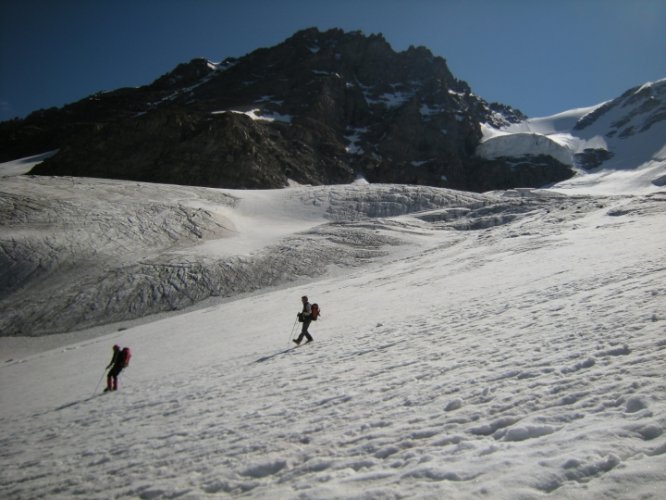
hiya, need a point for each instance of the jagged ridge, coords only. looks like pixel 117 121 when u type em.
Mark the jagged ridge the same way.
pixel 319 108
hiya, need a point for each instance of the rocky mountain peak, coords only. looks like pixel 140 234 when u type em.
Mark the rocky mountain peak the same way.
pixel 325 106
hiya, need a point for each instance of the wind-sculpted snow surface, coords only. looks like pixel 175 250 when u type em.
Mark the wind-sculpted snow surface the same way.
pixel 72 250
pixel 524 359
pixel 81 252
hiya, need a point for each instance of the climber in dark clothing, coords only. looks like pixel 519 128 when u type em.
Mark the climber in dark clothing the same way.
pixel 305 317
pixel 117 364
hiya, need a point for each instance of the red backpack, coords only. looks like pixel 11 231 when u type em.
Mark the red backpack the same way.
pixel 126 355
pixel 314 312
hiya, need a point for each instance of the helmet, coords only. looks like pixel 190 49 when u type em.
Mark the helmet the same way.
pixel 116 347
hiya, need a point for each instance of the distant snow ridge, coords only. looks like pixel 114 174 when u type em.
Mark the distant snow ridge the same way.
pixel 636 111
pixel 605 143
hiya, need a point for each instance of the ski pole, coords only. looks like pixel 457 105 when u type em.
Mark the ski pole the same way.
pixel 291 334
pixel 100 381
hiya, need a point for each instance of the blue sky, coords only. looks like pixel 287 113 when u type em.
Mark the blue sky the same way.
pixel 539 56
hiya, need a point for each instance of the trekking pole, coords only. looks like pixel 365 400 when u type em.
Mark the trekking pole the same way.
pixel 100 381
pixel 291 334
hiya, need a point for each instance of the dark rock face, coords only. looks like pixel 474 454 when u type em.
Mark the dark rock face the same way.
pixel 528 171
pixel 320 108
pixel 179 146
pixel 591 158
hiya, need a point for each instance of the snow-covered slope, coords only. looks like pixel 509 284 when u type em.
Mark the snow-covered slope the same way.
pixel 615 146
pixel 508 345
pixel 79 252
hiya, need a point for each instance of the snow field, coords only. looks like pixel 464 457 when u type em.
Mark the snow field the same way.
pixel 518 360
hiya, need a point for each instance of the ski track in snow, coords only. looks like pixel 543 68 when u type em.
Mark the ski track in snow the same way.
pixel 515 361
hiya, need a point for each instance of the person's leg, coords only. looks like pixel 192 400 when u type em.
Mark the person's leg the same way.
pixel 115 380
pixel 112 379
pixel 306 325
pixel 304 332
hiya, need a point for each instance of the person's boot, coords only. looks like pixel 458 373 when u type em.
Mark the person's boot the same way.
pixel 296 341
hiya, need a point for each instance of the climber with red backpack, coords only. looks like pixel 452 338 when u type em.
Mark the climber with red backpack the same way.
pixel 120 360
pixel 309 313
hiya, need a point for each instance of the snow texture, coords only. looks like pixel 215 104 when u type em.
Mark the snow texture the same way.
pixel 506 345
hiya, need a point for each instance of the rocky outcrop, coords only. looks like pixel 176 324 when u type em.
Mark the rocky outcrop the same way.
pixel 518 172
pixel 591 158
pixel 178 146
